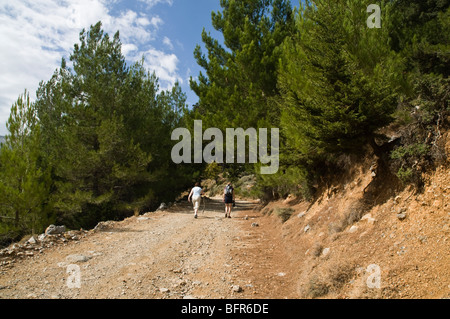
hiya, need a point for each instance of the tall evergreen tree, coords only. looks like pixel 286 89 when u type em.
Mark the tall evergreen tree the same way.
pixel 106 132
pixel 24 184
pixel 337 79
pixel 240 78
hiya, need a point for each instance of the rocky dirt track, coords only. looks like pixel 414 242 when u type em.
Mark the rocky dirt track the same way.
pixel 162 255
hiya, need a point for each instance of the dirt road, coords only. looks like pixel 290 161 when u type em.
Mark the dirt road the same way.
pixel 162 255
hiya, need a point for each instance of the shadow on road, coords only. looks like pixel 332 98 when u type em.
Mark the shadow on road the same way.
pixel 211 205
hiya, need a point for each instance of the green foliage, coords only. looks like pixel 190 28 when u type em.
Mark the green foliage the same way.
pixel 321 75
pixel 242 76
pixel 335 91
pixel 406 176
pixel 409 160
pixel 411 150
pixel 24 183
pixel 288 180
pixel 421 32
pixel 106 132
pixel 212 171
pixel 431 102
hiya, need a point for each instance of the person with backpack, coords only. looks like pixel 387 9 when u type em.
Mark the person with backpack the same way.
pixel 228 198
pixel 196 195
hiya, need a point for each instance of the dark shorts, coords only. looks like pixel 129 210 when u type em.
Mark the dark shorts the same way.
pixel 228 200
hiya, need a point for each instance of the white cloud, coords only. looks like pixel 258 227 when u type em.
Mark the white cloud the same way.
pixel 156 21
pixel 164 65
pixel 127 49
pixel 131 26
pixel 36 34
pixel 152 3
pixel 168 43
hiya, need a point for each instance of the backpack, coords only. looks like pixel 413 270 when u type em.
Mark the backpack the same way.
pixel 229 190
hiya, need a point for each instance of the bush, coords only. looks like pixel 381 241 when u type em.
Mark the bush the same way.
pixel 340 275
pixel 317 249
pixel 292 180
pixel 409 160
pixel 212 171
pixel 284 213
pixel 317 287
pixel 352 216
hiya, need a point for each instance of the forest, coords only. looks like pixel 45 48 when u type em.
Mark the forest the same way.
pixel 96 143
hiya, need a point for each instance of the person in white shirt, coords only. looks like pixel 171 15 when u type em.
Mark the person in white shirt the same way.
pixel 196 195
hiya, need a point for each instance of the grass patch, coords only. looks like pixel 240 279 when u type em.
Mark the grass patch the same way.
pixel 335 279
pixel 317 249
pixel 317 287
pixel 284 213
pixel 267 211
pixel 352 216
pixel 340 275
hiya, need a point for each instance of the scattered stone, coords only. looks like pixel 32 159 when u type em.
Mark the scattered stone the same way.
pixel 422 239
pixel 369 218
pixel 236 288
pixel 325 252
pixel 77 258
pixel 353 229
pixel 246 217
pixel 55 230
pixel 373 169
pixel 436 204
pixel 164 290
pixel 401 216
pixel 162 206
pixel 301 215
pixel 32 240
pixel 307 228
pixel 103 226
pixel 255 225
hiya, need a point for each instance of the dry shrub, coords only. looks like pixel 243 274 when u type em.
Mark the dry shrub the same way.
pixel 317 287
pixel 284 213
pixel 340 275
pixel 353 215
pixel 267 211
pixel 317 249
pixel 333 281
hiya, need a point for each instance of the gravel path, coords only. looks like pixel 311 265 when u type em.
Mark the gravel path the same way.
pixel 162 255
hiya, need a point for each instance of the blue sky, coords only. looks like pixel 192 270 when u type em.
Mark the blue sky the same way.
pixel 36 34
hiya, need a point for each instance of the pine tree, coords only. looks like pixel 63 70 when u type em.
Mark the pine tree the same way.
pixel 24 184
pixel 106 133
pixel 240 78
pixel 337 80
pixel 420 34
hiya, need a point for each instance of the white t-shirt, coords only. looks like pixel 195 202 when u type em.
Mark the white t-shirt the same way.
pixel 196 191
